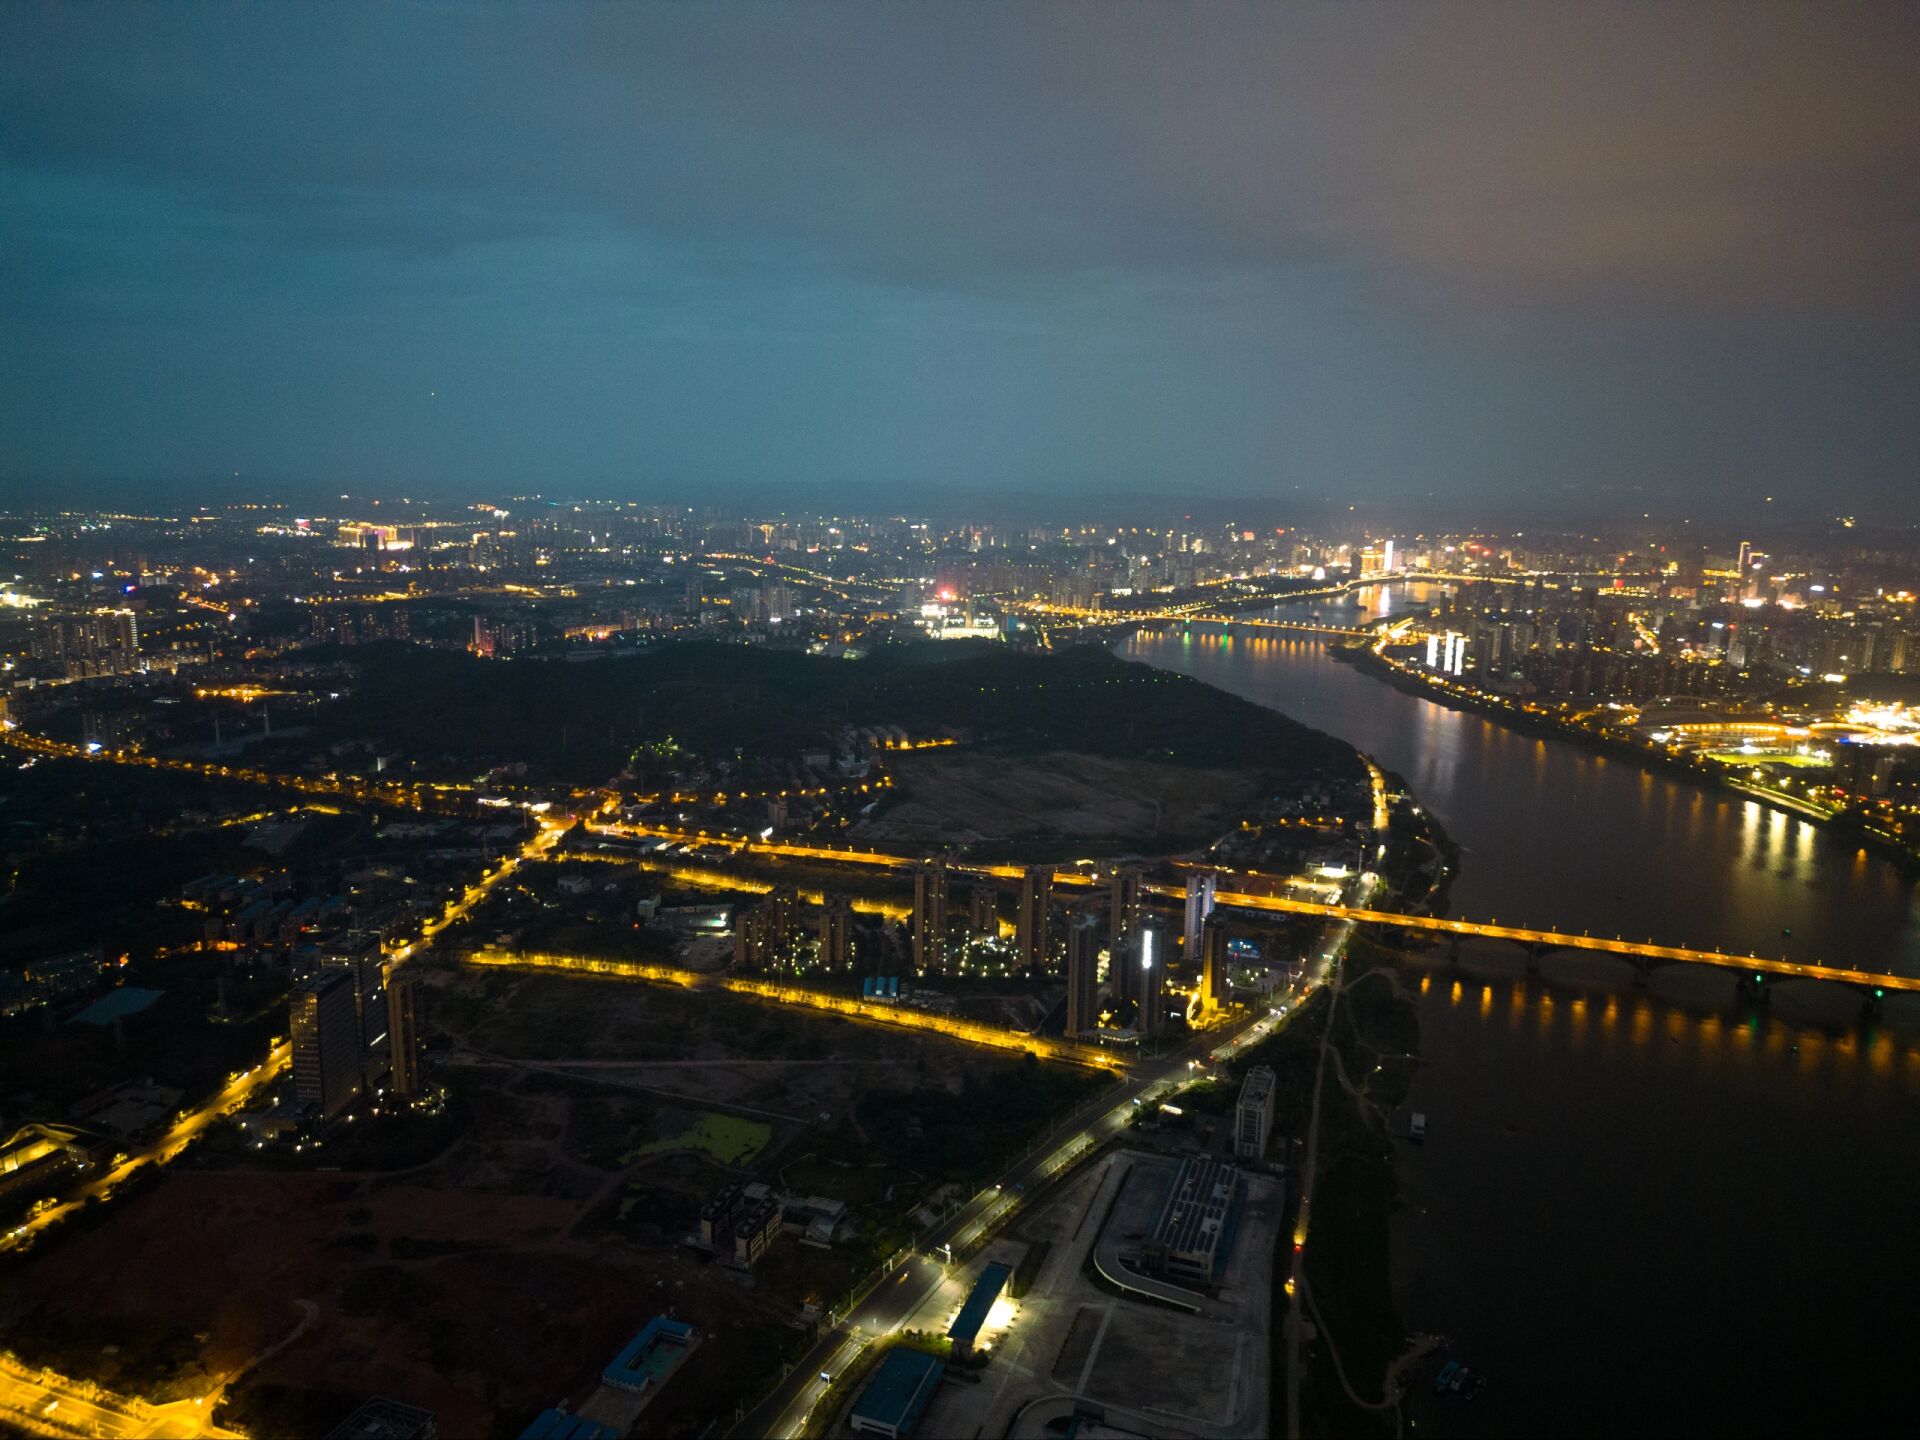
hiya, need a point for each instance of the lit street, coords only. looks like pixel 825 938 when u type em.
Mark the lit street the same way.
pixel 180 1134
pixel 901 1290
pixel 41 1403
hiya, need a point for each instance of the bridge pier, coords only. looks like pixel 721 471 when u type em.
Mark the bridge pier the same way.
pixel 1642 969
pixel 1875 1005
pixel 1534 951
pixel 1453 949
pixel 1753 987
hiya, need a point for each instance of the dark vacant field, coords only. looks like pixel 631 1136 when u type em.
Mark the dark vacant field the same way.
pixel 1059 804
pixel 489 1268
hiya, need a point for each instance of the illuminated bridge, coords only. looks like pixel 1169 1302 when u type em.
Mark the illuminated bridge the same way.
pixel 1168 619
pixel 1761 969
pixel 1645 953
pixel 1756 971
pixel 1243 622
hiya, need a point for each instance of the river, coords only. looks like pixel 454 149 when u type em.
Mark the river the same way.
pixel 1640 1210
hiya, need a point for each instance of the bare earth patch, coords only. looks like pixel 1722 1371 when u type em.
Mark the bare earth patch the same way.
pixel 499 1275
pixel 962 796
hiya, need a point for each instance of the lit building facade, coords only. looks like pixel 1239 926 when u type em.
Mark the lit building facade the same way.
pixel 1033 926
pixel 405 1045
pixel 326 1042
pixel 930 918
pixel 1085 934
pixel 1253 1115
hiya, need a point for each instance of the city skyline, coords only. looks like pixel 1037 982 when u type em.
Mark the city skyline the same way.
pixel 1590 258
pixel 798 720
pixel 856 900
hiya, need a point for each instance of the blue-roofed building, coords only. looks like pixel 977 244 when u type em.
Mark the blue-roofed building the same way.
pixel 628 1385
pixel 898 1394
pixel 651 1356
pixel 966 1325
pixel 116 1004
pixel 559 1425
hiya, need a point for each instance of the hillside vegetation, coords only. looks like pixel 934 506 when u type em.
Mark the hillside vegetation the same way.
pixel 584 722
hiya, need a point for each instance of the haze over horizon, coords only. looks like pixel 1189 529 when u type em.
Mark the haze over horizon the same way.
pixel 1559 260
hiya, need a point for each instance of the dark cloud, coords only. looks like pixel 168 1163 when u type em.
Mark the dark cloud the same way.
pixel 1219 248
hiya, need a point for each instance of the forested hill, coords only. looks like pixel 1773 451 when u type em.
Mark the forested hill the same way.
pixel 581 722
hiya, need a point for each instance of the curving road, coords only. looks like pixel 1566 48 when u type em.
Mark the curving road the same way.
pixel 905 1286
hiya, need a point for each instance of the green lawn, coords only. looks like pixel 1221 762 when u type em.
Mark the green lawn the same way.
pixel 727 1138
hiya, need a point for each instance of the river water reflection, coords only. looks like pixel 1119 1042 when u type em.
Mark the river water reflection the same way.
pixel 1640 1210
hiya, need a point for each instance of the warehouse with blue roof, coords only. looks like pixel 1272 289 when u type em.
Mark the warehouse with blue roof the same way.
pixel 898 1394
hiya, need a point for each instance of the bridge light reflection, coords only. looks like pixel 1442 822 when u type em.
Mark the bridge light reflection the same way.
pixel 1880 1054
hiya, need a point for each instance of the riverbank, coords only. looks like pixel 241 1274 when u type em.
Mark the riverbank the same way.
pixel 1594 1143
pixel 1350 1366
pixel 1347 1377
pixel 1422 860
pixel 1510 716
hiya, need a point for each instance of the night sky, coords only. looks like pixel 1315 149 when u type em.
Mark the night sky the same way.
pixel 1659 257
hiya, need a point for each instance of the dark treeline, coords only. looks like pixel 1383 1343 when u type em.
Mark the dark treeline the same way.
pixel 585 722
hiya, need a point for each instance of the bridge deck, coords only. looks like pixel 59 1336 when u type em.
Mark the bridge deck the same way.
pixel 1759 964
pixel 1249 900
pixel 422 797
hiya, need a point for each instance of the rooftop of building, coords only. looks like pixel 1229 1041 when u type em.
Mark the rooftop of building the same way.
pixel 116 1004
pixel 900 1389
pixel 554 1424
pixel 1258 1084
pixel 966 1325
pixel 1195 1212
pixel 653 1354
pixel 379 1418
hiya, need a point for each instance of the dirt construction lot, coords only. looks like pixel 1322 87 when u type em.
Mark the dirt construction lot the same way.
pixel 496 1272
pixel 969 797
